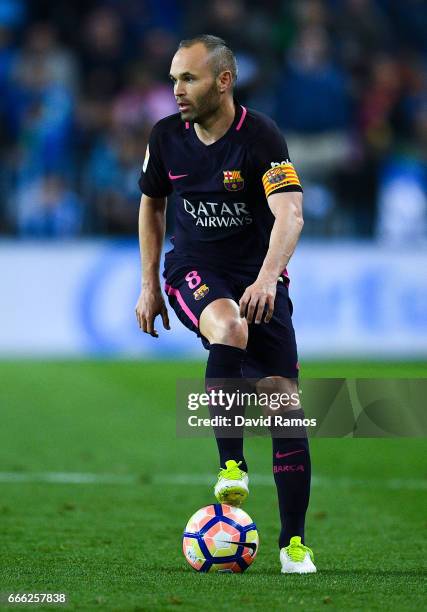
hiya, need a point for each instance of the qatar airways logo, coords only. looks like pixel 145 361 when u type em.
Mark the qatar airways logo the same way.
pixel 218 214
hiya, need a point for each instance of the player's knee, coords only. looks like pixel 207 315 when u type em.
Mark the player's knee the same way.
pixel 232 331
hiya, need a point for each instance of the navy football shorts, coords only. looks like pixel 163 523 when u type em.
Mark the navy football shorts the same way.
pixel 271 349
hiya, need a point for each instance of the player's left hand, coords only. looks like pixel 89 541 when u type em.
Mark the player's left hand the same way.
pixel 258 295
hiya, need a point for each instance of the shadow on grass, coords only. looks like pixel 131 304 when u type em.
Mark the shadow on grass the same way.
pixel 350 573
pixel 376 573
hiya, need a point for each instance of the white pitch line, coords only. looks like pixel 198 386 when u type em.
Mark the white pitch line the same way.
pixel 200 480
pixel 67 478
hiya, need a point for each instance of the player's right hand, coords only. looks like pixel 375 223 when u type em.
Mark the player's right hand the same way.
pixel 150 304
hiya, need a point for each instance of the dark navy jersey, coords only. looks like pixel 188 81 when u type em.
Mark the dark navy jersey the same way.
pixel 222 217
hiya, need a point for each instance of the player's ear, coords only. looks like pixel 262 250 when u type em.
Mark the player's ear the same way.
pixel 225 81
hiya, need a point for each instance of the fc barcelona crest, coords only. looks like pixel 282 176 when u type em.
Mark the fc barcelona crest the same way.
pixel 201 292
pixel 233 181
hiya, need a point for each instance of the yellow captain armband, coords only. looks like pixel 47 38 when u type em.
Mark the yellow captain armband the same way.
pixel 282 175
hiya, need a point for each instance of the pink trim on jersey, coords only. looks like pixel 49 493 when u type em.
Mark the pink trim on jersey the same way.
pixel 176 293
pixel 242 118
pixel 187 125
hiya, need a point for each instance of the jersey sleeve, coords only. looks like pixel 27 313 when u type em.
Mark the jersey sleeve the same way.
pixel 272 166
pixel 154 181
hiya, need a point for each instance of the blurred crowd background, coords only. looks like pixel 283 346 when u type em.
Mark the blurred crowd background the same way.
pixel 82 82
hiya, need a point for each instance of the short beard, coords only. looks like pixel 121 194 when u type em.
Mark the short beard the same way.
pixel 207 107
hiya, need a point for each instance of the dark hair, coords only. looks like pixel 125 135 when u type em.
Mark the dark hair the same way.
pixel 221 56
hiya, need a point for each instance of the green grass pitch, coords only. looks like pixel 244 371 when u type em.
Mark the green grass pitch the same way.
pixel 113 541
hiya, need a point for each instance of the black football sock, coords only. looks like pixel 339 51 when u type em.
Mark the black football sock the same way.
pixel 292 475
pixel 224 372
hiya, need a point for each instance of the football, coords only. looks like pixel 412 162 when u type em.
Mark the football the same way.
pixel 220 538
